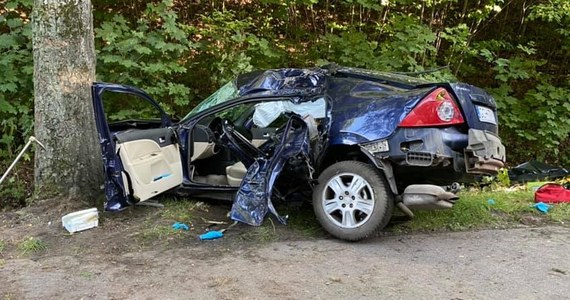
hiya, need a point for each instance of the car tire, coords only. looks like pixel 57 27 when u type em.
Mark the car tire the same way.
pixel 352 200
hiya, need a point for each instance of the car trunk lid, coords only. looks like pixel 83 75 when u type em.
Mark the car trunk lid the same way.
pixel 479 108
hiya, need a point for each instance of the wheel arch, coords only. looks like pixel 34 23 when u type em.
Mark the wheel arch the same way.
pixel 341 152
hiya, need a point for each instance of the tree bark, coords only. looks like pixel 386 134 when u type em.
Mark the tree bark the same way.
pixel 64 69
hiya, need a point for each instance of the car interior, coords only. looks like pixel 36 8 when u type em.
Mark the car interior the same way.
pixel 222 146
pixel 248 127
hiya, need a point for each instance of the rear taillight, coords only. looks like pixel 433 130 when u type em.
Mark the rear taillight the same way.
pixel 436 109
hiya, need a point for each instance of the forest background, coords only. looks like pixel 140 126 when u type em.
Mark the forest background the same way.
pixel 181 51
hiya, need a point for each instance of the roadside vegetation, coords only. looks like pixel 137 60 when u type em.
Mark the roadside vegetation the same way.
pixel 31 245
pixel 478 208
pixel 487 210
pixel 181 51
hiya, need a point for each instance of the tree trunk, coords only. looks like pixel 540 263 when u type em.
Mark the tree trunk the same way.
pixel 64 68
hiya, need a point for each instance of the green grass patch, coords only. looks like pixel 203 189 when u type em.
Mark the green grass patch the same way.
pixel 2 247
pixel 183 210
pixel 159 227
pixel 478 210
pixel 303 220
pixel 156 232
pixel 31 245
pixel 265 233
pixel 86 274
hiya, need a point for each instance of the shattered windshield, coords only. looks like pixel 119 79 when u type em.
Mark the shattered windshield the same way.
pixel 227 92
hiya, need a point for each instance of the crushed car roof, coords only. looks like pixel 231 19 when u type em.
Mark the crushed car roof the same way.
pixel 311 81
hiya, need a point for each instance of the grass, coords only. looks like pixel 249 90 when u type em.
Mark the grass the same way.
pixel 2 247
pixel 174 210
pixel 303 220
pixel 478 210
pixel 182 210
pixel 157 232
pixel 86 274
pixel 31 245
pixel 265 233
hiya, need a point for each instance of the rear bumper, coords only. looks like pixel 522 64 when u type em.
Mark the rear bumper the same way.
pixel 424 150
pixel 485 154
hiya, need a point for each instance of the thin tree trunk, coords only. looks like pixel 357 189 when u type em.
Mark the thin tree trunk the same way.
pixel 64 68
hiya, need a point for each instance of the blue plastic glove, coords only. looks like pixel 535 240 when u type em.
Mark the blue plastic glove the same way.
pixel 542 207
pixel 211 235
pixel 179 226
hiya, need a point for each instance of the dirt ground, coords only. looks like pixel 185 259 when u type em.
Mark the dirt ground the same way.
pixel 134 254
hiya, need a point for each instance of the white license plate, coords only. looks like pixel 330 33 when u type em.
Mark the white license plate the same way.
pixel 486 115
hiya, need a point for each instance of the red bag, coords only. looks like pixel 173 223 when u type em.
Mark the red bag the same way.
pixel 552 193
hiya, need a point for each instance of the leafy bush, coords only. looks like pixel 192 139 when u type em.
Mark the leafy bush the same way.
pixel 16 87
pixel 181 51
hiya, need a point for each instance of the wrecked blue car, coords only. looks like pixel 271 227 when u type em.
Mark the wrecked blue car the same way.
pixel 357 143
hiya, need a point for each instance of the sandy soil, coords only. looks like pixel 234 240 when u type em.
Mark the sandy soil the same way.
pixel 113 261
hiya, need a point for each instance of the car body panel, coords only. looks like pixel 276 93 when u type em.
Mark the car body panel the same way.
pixel 364 111
pixel 253 199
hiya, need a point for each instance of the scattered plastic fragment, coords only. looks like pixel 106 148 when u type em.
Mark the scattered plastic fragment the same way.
pixel 81 220
pixel 211 235
pixel 215 234
pixel 542 207
pixel 491 201
pixel 180 226
pixel 213 222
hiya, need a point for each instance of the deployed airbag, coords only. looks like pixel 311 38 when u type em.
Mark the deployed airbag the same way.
pixel 266 113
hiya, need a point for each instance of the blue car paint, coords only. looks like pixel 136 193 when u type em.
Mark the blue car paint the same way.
pixel 469 96
pixel 302 83
pixel 363 107
pixel 365 111
pixel 114 186
pixel 253 199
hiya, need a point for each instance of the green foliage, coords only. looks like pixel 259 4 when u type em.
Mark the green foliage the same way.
pixel 16 98
pixel 150 53
pixel 181 51
pixel 503 177
pixel 229 49
pixel 16 105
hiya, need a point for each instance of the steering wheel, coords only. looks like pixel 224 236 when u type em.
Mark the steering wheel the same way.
pixel 240 142
pixel 215 126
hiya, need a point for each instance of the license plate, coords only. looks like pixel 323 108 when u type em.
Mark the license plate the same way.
pixel 486 115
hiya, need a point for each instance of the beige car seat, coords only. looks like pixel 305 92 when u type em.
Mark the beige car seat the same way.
pixel 235 173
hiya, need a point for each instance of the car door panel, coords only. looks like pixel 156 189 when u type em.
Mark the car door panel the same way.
pixel 151 159
pixel 140 150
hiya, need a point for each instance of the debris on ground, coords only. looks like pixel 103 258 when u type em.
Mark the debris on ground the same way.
pixel 534 170
pixel 215 234
pixel 552 193
pixel 81 220
pixel 180 226
pixel 213 222
pixel 542 207
pixel 211 235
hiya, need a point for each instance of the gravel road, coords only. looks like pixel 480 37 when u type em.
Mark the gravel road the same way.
pixel 527 263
